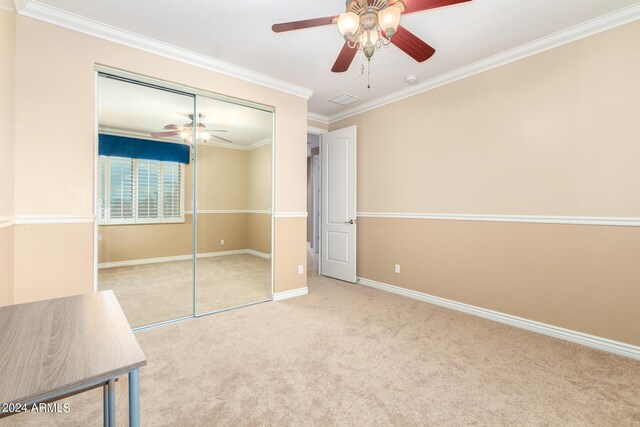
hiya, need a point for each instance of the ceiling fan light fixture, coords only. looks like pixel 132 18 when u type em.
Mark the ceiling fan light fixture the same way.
pixel 369 20
pixel 386 14
pixel 204 136
pixel 348 25
pixel 389 20
pixel 369 41
pixel 184 135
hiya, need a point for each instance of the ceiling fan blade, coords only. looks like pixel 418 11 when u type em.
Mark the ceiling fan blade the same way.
pixel 225 140
pixel 412 45
pixel 344 59
pixel 216 130
pixel 413 6
pixel 165 134
pixel 173 127
pixel 307 23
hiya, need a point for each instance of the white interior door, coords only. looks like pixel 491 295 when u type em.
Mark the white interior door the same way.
pixel 338 203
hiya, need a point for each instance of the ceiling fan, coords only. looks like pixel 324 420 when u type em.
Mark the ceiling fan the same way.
pixel 368 25
pixel 185 132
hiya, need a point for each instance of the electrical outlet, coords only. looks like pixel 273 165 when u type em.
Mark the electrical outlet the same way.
pixel 301 269
pixel 397 268
pixel 222 242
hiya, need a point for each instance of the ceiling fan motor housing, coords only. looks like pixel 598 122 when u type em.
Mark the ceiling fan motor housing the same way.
pixel 360 6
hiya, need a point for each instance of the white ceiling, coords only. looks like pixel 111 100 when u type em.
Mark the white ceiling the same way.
pixel 139 110
pixel 239 32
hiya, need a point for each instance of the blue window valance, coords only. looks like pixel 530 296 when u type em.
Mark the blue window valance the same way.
pixel 134 148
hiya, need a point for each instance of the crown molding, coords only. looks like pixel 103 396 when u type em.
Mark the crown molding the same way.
pixel 259 144
pixel 7 5
pixel 20 4
pixel 42 12
pixel 318 118
pixel 577 32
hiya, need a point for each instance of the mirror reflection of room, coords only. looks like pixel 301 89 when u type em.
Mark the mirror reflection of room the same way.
pixel 155 164
pixel 233 188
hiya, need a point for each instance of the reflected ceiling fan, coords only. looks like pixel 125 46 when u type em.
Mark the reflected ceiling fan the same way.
pixel 185 132
pixel 368 25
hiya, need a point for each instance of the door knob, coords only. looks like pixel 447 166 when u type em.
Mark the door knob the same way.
pixel 351 221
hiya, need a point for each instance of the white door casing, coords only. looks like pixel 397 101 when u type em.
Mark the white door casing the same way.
pixel 338 204
pixel 316 204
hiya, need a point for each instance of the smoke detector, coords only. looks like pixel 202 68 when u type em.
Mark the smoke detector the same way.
pixel 411 79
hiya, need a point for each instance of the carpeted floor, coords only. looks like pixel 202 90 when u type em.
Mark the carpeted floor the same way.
pixel 350 355
pixel 154 293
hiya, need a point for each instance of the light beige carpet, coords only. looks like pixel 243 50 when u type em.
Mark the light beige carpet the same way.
pixel 349 355
pixel 154 293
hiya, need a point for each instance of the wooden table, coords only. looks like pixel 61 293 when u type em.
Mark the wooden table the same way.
pixel 53 349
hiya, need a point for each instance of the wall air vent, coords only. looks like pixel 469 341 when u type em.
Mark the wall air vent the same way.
pixel 344 99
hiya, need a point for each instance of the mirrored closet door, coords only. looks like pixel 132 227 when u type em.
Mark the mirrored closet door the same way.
pixel 145 238
pixel 233 188
pixel 184 199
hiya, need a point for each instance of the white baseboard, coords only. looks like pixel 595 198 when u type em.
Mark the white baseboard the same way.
pixel 592 341
pixel 258 254
pixel 181 258
pixel 290 294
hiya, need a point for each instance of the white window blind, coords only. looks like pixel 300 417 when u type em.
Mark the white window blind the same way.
pixel 172 190
pixel 136 191
pixel 148 187
pixel 120 189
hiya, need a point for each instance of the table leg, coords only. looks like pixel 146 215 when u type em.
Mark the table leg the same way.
pixel 134 398
pixel 111 386
pixel 105 404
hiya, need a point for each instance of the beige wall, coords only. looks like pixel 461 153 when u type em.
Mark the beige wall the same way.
pixel 289 251
pixel 7 78
pixel 55 82
pixel 582 278
pixel 222 179
pixel 233 228
pixel 259 178
pixel 552 134
pixel 6 265
pixel 136 242
pixel 40 253
pixel 259 233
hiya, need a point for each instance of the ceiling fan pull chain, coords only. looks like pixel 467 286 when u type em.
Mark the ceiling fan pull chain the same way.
pixel 369 73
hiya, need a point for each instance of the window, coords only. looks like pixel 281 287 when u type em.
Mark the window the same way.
pixel 137 191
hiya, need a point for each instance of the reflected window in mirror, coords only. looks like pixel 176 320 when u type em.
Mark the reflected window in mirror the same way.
pixel 139 191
